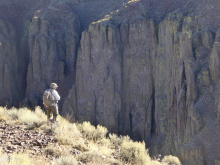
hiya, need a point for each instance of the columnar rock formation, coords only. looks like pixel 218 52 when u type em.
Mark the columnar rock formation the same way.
pixel 8 65
pixel 151 83
pixel 53 42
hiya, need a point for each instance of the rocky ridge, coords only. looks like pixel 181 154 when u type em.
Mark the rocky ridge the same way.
pixel 26 138
pixel 19 139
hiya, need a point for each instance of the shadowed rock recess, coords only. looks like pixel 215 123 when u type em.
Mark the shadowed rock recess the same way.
pixel 144 68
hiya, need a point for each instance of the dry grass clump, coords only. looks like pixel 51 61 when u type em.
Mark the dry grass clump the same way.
pixel 23 116
pixel 117 141
pixel 95 158
pixel 15 159
pixel 66 133
pixel 53 151
pixel 92 133
pixel 105 142
pixel 134 152
pixel 171 160
pixel 100 132
pixel 100 148
pixel 28 117
pixel 81 147
pixel 87 130
pixel 3 114
pixel 20 159
pixel 3 158
pixel 131 152
pixel 65 160
pixel 90 156
pixel 12 114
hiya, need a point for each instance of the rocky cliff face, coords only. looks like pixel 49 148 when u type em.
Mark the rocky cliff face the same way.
pixel 8 65
pixel 42 42
pixel 52 47
pixel 153 83
pixel 112 85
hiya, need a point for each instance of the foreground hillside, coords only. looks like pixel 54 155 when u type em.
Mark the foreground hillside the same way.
pixel 26 139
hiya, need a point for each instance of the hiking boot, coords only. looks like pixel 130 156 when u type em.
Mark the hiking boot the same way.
pixel 53 121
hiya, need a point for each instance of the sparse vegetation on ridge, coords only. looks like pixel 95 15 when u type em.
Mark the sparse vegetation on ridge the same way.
pixel 111 14
pixel 66 143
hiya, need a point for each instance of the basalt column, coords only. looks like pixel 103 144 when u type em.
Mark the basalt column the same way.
pixel 8 65
pixel 53 47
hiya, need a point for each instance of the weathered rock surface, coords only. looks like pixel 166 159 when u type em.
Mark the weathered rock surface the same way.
pixel 53 42
pixel 18 139
pixel 8 65
pixel 153 85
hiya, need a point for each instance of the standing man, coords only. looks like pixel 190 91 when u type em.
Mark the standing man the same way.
pixel 50 100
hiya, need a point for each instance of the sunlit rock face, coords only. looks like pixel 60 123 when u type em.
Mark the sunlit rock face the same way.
pixel 114 80
pixel 52 47
pixel 152 82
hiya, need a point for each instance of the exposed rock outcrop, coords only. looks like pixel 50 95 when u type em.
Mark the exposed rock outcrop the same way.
pixel 151 83
pixel 53 41
pixel 105 70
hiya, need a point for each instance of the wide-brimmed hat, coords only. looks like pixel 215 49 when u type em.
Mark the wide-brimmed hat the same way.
pixel 53 85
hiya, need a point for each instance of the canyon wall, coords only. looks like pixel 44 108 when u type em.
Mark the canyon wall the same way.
pixel 153 82
pixel 8 65
pixel 52 44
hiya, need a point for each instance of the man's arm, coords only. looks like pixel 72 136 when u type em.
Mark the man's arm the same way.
pixel 56 95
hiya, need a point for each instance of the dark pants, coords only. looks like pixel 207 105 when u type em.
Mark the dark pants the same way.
pixel 54 110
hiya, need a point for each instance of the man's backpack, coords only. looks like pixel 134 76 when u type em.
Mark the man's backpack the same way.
pixel 47 98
